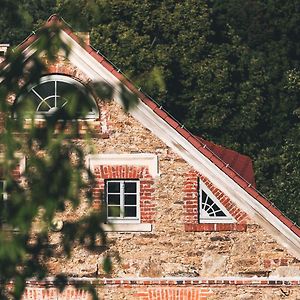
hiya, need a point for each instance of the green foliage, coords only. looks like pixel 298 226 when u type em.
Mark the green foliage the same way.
pixel 285 184
pixel 19 18
pixel 271 32
pixel 55 178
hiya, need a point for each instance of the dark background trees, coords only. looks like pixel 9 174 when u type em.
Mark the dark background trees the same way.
pixel 223 68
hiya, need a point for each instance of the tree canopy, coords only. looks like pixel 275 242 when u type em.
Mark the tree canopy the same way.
pixel 225 69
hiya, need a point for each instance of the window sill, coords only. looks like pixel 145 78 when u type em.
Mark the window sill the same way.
pixel 143 227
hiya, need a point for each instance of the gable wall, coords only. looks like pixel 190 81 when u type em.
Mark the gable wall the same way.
pixel 170 249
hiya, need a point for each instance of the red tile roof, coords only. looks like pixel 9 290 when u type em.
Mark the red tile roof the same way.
pixel 237 166
pixel 239 163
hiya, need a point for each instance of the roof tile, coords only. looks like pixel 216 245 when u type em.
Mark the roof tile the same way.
pixel 172 122
pixel 107 65
pixel 228 171
pixel 240 163
pixel 97 56
pixel 241 182
pixel 149 103
pixel 295 229
pixel 286 221
pixel 183 132
pixel 266 203
pixel 118 75
pixel 217 162
pixel 274 210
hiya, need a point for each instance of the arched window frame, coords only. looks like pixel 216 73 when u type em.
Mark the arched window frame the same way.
pixel 204 217
pixel 94 114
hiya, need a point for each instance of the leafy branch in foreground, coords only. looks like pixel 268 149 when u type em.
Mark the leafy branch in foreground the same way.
pixel 55 178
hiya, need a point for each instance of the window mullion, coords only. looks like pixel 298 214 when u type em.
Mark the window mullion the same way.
pixel 122 191
pixel 55 93
pixel 106 198
pixel 137 200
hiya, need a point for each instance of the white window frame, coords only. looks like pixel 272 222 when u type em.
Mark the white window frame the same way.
pixel 4 193
pixel 203 217
pixel 66 79
pixel 4 197
pixel 122 219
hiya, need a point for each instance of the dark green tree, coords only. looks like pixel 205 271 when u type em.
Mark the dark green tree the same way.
pixel 19 18
pixel 270 30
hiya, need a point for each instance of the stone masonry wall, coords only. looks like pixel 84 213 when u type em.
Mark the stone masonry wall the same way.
pixel 169 250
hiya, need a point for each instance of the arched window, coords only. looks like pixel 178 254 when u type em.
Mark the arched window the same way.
pixel 57 91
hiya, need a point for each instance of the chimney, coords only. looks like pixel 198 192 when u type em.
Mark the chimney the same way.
pixel 84 36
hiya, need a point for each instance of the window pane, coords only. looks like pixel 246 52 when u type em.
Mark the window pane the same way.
pixel 209 202
pixel 130 187
pixel 46 105
pixel 203 195
pixel 113 199
pixel 130 211
pixel 210 212
pixel 130 199
pixel 113 211
pixel 220 214
pixel 45 89
pixel 64 88
pixel 113 187
pixel 35 98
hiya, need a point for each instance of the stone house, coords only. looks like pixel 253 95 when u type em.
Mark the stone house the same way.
pixel 188 220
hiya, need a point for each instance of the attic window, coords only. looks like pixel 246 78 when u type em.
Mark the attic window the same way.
pixel 57 91
pixel 211 209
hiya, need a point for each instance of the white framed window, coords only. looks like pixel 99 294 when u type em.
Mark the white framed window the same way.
pixel 56 91
pixel 211 210
pixel 3 201
pixel 3 193
pixel 122 200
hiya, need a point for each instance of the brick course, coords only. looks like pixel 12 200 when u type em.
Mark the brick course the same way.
pixel 170 289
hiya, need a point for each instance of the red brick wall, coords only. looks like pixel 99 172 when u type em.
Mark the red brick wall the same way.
pixel 168 289
pixel 147 204
pixel 191 208
pixel 171 293
pixel 42 293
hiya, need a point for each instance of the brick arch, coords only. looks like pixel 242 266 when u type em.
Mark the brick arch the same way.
pixel 65 68
pixel 191 208
pixel 147 204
